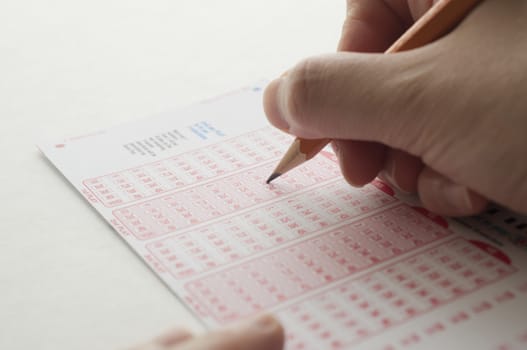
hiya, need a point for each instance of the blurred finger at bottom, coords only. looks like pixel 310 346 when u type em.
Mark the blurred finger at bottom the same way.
pixel 173 337
pixel 166 340
pixel 263 333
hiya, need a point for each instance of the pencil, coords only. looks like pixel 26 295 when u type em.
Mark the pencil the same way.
pixel 435 23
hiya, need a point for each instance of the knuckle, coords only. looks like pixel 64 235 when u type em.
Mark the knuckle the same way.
pixel 304 81
pixel 410 108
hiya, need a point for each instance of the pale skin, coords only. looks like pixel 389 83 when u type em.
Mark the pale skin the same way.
pixel 447 121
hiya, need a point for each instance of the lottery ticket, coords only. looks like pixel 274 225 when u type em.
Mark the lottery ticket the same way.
pixel 341 267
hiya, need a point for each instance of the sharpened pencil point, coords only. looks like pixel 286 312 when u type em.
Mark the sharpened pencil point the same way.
pixel 272 177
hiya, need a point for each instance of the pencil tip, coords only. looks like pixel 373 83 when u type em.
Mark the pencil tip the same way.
pixel 272 177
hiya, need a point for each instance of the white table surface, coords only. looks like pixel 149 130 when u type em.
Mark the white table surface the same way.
pixel 67 281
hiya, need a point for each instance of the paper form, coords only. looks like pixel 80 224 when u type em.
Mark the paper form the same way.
pixel 341 267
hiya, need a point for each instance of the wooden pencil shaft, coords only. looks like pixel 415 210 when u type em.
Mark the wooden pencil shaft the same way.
pixel 435 23
pixel 311 147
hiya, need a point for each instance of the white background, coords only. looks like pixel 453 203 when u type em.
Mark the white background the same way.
pixel 66 67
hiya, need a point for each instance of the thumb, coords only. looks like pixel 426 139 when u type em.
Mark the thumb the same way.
pixel 366 97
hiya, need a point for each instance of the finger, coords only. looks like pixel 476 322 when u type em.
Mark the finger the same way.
pixel 373 25
pixel 360 162
pixel 440 195
pixel 264 333
pixel 365 97
pixel 402 170
pixel 370 26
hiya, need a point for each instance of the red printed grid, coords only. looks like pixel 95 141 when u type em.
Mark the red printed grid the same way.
pixel 186 208
pixel 519 342
pixel 366 306
pixel 188 168
pixel 306 266
pixel 197 251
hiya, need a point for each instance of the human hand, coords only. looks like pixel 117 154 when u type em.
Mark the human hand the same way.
pixel 263 333
pixel 448 120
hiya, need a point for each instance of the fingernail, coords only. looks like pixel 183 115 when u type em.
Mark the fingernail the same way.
pixel 272 104
pixel 173 337
pixel 264 323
